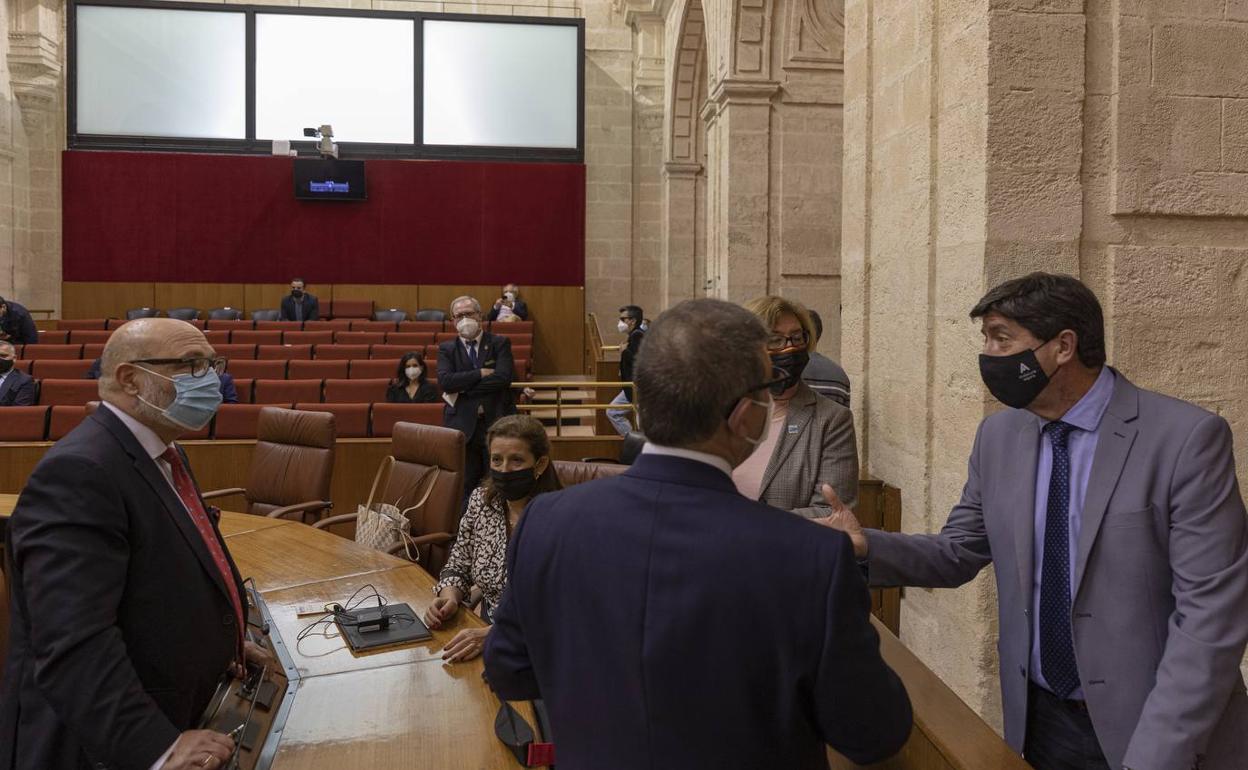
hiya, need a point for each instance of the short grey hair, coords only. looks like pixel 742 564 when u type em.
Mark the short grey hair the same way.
pixel 465 298
pixel 698 358
pixel 9 345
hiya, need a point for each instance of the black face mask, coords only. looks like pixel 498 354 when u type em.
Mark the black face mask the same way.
pixel 296 293
pixel 1014 380
pixel 793 363
pixel 515 485
pixel 5 365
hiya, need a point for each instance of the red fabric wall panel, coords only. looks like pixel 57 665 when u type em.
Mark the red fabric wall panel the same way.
pixel 168 217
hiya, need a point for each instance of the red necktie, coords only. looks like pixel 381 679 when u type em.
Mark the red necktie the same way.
pixel 190 498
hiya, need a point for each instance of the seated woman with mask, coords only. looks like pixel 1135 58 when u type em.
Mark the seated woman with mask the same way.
pixel 811 438
pixel 509 307
pixel 410 385
pixel 520 469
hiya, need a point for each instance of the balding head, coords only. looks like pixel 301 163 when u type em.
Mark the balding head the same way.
pixel 122 382
pixel 7 349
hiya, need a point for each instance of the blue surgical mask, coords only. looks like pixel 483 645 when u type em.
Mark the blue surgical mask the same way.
pixel 195 400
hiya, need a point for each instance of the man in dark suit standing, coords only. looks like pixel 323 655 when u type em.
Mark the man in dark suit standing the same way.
pixel 16 388
pixel 299 305
pixel 474 372
pixel 16 324
pixel 126 607
pixel 668 621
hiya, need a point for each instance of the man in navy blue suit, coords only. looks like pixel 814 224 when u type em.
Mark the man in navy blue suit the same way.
pixel 299 305
pixel 669 622
pixel 17 388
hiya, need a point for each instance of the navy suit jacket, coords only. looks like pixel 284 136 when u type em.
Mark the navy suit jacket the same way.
pixel 311 308
pixel 120 623
pixel 520 308
pixel 669 622
pixel 18 389
pixel 18 324
pixel 456 374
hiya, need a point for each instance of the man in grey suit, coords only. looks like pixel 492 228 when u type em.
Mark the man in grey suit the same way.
pixel 1116 529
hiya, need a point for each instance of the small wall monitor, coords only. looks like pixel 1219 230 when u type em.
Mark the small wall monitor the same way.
pixel 327 179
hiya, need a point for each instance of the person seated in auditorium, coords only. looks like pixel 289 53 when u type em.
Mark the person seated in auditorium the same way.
pixel 811 439
pixel 16 325
pixel 520 469
pixel 509 307
pixel 410 384
pixel 825 376
pixel 127 608
pixel 229 393
pixel 299 305
pixel 17 388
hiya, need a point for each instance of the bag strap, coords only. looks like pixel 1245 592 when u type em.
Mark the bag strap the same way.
pixel 431 473
pixel 387 465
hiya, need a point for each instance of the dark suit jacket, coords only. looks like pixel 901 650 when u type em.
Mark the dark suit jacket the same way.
pixel 628 358
pixel 18 389
pixel 456 374
pixel 311 308
pixel 669 622
pixel 18 324
pixel 521 309
pixel 121 625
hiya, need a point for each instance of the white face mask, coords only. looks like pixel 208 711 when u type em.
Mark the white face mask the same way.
pixel 510 296
pixel 622 326
pixel 468 328
pixel 412 372
pixel 766 431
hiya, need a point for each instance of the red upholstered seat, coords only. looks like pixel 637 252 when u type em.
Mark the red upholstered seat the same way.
pixel 92 350
pixel 389 351
pixel 238 421
pixel 512 327
pixel 359 338
pixel 64 419
pixel 68 392
pixel 87 335
pixel 231 325
pixel 386 415
pixel 242 386
pixel 54 337
pixel 521 351
pixel 286 391
pixel 82 323
pixel 521 370
pixel 355 391
pixel 350 420
pixel 281 326
pixel 113 323
pixel 374 326
pixel 235 351
pixel 444 336
pixel 24 423
pixel 35 352
pixel 217 337
pixel 309 338
pixel 253 337
pixel 268 370
pixel 351 308
pixel 284 352
pixel 56 369
pixel 316 369
pixel 23 365
pixel 363 369
pixel 423 327
pixel 330 325
pixel 341 352
pixel 416 340
pixel 519 340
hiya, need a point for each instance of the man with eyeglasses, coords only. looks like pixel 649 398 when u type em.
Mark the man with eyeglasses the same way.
pixel 229 392
pixel 127 608
pixel 668 621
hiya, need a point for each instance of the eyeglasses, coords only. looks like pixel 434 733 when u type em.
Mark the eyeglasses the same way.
pixel 466 314
pixel 199 366
pixel 780 341
pixel 778 376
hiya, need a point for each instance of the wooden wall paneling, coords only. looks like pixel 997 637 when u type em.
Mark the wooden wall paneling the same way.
pixel 204 296
pixel 559 316
pixel 90 299
pixel 403 296
pixel 268 296
pixel 439 297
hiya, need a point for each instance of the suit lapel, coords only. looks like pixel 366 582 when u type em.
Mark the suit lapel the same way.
pixel 799 416
pixel 1021 500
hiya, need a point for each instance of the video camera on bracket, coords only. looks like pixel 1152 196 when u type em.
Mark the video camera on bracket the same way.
pixel 326 146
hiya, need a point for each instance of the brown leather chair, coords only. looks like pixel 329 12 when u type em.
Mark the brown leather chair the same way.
pixel 4 622
pixel 292 464
pixel 573 473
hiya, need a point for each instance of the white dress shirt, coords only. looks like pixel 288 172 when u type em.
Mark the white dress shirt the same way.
pixel 706 458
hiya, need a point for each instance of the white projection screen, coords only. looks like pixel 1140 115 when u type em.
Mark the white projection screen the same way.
pixel 356 74
pixel 156 72
pixel 500 84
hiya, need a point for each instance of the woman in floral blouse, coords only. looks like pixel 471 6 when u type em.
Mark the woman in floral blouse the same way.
pixel 520 469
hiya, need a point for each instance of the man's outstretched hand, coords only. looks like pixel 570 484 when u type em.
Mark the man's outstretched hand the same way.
pixel 843 519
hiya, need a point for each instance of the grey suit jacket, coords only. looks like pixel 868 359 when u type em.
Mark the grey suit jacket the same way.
pixel 1160 611
pixel 817 445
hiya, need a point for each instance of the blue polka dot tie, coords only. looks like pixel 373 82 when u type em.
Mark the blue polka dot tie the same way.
pixel 1057 650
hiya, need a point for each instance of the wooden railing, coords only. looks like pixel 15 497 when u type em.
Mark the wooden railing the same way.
pixel 601 405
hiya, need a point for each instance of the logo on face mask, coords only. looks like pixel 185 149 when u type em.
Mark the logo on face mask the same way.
pixel 1014 380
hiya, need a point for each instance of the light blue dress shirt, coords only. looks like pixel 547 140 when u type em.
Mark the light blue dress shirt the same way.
pixel 1086 416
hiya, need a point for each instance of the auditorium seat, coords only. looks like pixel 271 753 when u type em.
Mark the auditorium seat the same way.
pixel 521 370
pixel 281 326
pixel 573 473
pixel 308 338
pixel 253 337
pixel 511 327
pixel 420 327
pixel 341 352
pixel 268 314
pixel 413 340
pixel 232 351
pixel 351 309
pixel 389 351
pixel 64 419
pixel 350 420
pixel 86 335
pixel 374 326
pixel 363 368
pixel 82 323
pixel 225 314
pixel 24 423
pixel 316 370
pixel 230 323
pixel 291 466
pixel 386 415
pixel 268 370
pixel 285 352
pixel 355 391
pixel 359 338
pixel 56 369
pixel 392 315
pixel 54 337
pixel 23 365
pixel 35 352
pixel 242 386
pixel 286 391
pixel 113 323
pixel 92 350
pixel 431 314
pixel 238 421
pixel 521 351
pixel 327 325
pixel 217 337
pixel 441 337
pixel 183 313
pixel 141 312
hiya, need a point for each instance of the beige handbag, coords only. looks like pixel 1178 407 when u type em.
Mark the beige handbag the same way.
pixel 382 526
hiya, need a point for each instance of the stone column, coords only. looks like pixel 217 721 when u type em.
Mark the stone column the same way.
pixel 680 278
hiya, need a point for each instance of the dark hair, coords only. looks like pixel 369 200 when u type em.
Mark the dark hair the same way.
pixel 698 358
pixel 299 280
pixel 531 431
pixel 818 323
pixel 1046 304
pixel 634 312
pixel 400 377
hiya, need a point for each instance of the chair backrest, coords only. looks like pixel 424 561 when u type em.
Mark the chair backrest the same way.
pixel 386 416
pixel 68 392
pixel 225 314
pixel 141 312
pixel 360 391
pixel 268 314
pixel 341 352
pixel 237 421
pixel 281 326
pixel 350 420
pixel 393 314
pixel 359 338
pixel 393 352
pixel 80 323
pixel 572 473
pixel 183 313
pixel 284 352
pixel 416 448
pixel 38 351
pixel 4 622
pixel 256 370
pixel 58 336
pixel 293 461
pixel 429 314
pixel 24 423
pixel 56 369
pixel 217 336
pixel 364 369
pixel 286 391
pixel 256 337
pixel 64 419
pixel 80 336
pixel 316 370
pixel 233 351
pixel 231 323
pixel 415 340
pixel 364 325
pixel 308 338
pixel 327 325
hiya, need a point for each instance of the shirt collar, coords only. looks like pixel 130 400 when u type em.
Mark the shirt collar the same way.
pixel 1086 414
pixel 146 437
pixel 715 461
pixel 476 339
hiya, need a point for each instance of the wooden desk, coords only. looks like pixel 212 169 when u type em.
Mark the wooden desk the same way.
pixel 7 504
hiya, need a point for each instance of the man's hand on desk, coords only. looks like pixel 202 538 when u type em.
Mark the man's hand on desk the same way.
pixel 199 749
pixel 442 610
pixel 843 519
pixel 466 645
